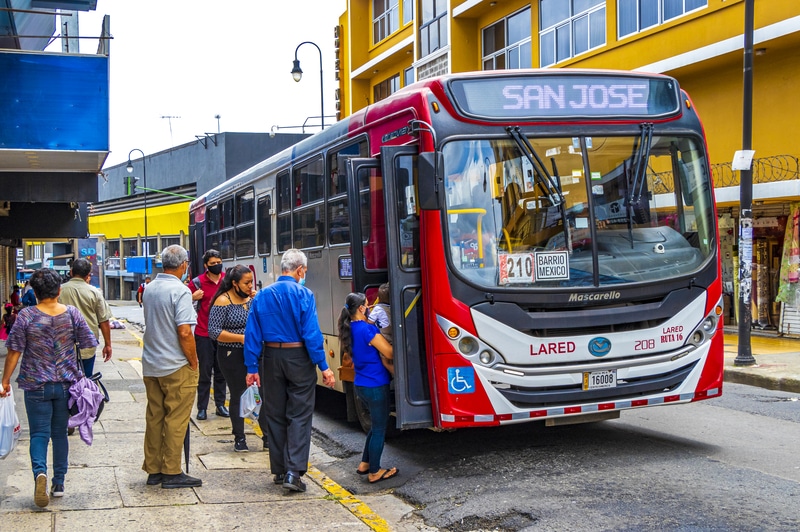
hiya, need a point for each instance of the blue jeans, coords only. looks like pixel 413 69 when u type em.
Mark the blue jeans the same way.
pixel 47 418
pixel 377 401
pixel 88 366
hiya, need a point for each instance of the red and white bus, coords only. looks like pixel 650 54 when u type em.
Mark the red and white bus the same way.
pixel 549 236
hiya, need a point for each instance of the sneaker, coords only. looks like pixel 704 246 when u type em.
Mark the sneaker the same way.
pixel 240 445
pixel 40 493
pixel 57 490
pixel 266 443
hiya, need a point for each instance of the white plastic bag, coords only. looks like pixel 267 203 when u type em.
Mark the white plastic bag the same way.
pixel 250 404
pixel 10 429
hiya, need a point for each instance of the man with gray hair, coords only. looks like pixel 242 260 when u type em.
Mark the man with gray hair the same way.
pixel 88 299
pixel 169 370
pixel 283 324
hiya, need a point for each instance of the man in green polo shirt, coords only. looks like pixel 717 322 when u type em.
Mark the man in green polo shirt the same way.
pixel 88 299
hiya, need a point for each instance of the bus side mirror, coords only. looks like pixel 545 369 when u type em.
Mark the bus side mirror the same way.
pixel 431 185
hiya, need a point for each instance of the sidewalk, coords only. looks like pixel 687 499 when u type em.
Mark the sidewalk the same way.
pixel 777 362
pixel 237 491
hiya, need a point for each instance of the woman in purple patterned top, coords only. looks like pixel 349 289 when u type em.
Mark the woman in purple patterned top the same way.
pixel 45 336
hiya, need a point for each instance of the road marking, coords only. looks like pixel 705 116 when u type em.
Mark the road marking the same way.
pixel 356 506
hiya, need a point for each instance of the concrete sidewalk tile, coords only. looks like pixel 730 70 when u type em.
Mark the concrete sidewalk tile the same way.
pixel 85 488
pixel 108 450
pixel 272 515
pixel 120 396
pixel 221 487
pixel 38 519
pixel 227 460
pixel 134 491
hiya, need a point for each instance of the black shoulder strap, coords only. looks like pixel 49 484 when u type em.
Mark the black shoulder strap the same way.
pixel 75 340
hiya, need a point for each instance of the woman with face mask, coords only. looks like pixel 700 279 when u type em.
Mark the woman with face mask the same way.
pixel 363 344
pixel 226 322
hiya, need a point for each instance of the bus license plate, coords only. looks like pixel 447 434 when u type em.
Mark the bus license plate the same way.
pixel 593 380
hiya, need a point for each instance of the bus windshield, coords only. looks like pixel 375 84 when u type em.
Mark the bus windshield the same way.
pixel 577 211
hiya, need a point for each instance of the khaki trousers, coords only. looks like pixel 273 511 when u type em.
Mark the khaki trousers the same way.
pixel 169 407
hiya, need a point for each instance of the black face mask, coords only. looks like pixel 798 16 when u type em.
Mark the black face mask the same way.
pixel 243 295
pixel 215 269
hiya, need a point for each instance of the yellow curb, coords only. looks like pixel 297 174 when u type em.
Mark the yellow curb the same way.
pixel 355 506
pixel 129 331
pixel 349 501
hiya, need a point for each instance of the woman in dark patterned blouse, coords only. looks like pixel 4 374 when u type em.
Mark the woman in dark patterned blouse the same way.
pixel 226 322
pixel 45 336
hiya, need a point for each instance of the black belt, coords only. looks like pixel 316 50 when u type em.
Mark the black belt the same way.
pixel 284 345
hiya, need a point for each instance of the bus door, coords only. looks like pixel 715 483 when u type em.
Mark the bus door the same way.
pixel 397 168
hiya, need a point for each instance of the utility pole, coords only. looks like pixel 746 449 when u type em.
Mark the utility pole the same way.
pixel 744 355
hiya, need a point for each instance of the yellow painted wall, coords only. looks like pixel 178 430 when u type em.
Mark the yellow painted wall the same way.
pixel 715 85
pixel 163 219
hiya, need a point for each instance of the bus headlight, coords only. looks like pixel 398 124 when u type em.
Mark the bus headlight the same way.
pixel 468 345
pixel 707 328
pixel 485 357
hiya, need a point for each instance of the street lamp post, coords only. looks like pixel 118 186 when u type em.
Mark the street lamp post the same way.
pixel 129 168
pixel 297 74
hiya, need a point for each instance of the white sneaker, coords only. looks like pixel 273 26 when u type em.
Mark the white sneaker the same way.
pixel 40 493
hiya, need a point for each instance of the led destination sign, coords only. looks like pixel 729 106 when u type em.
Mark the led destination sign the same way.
pixel 549 96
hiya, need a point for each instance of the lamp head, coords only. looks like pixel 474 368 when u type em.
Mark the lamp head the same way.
pixel 297 73
pixel 129 168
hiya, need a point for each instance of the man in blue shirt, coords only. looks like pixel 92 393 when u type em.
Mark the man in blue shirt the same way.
pixel 283 323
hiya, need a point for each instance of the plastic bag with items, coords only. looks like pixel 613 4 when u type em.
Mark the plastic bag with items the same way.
pixel 250 404
pixel 10 429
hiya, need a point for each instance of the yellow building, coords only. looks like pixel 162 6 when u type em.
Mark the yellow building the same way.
pixel 383 45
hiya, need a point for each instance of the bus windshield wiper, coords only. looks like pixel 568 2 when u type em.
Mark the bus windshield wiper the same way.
pixel 641 156
pixel 545 180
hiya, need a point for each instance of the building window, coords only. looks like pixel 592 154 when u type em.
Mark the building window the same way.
pixel 638 15
pixel 386 87
pixel 569 28
pixel 408 76
pixel 433 26
pixel 408 11
pixel 385 19
pixel 167 241
pixel 507 42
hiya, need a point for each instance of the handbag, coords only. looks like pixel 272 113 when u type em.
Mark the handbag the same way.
pixel 74 409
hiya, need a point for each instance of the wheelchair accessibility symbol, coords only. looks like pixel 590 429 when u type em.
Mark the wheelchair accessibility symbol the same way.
pixel 461 380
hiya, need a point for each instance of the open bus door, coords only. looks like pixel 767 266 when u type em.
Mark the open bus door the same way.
pixel 398 195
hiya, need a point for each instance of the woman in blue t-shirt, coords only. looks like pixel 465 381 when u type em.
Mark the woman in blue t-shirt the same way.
pixel 362 342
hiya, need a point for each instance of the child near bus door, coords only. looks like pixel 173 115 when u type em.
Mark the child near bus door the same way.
pixel 380 315
pixel 363 345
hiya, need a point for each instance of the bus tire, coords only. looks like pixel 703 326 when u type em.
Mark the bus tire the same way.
pixel 365 420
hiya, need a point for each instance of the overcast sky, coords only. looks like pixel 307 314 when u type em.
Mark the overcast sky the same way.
pixel 195 59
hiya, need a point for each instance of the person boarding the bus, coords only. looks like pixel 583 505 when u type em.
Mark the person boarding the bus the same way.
pixel 364 345
pixel 203 288
pixel 283 323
